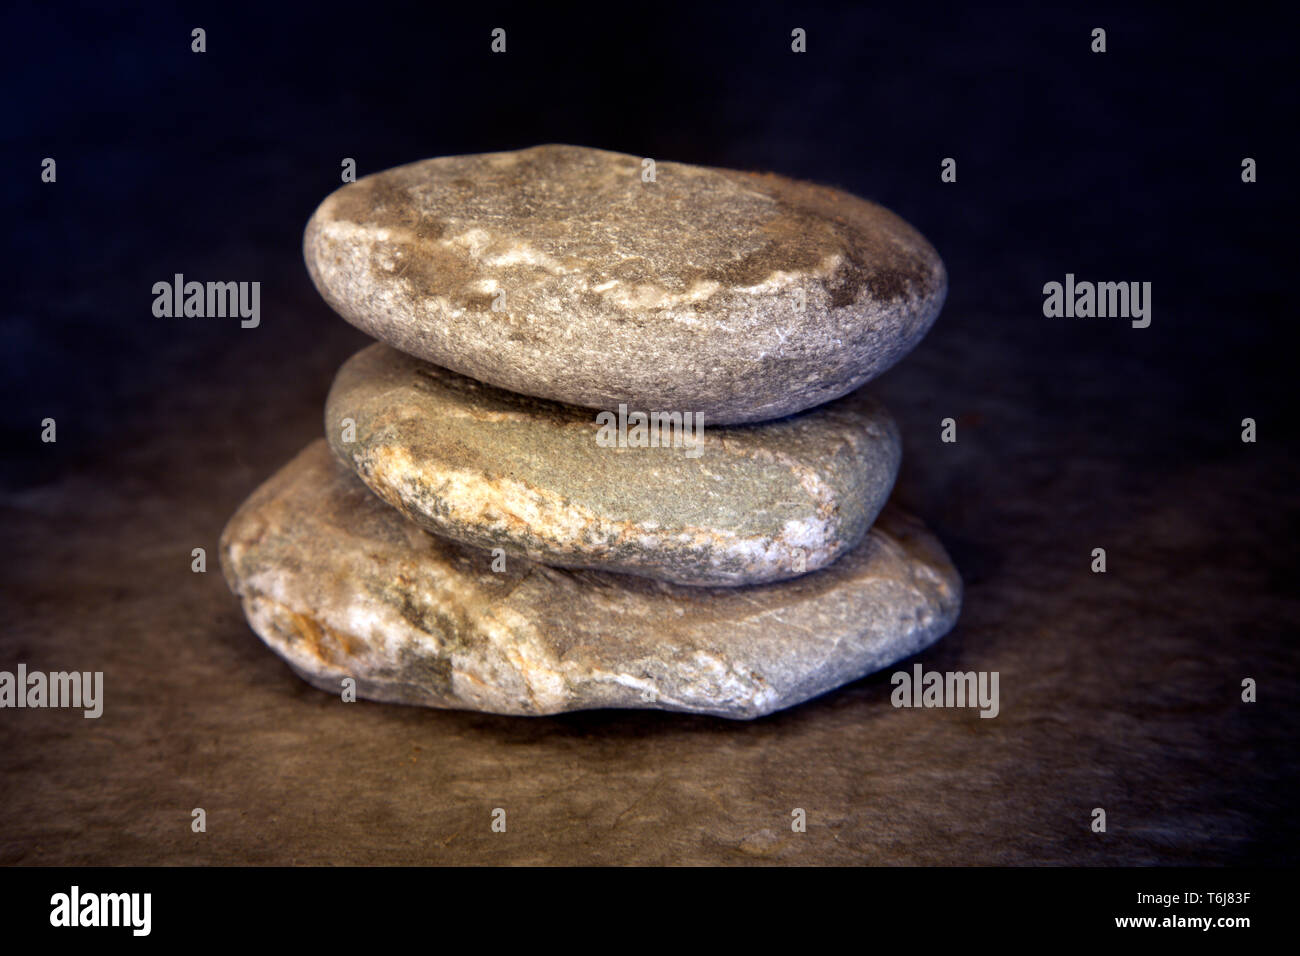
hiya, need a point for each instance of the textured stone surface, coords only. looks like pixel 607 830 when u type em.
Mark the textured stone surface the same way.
pixel 340 585
pixel 679 294
pixel 732 505
pixel 1119 690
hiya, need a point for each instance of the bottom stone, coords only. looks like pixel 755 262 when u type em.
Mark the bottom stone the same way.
pixel 340 585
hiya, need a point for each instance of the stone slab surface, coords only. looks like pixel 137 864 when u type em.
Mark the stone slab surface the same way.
pixel 1118 690
pixel 342 586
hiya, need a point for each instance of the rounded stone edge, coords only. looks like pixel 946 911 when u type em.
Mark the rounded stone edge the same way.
pixel 383 359
pixel 918 315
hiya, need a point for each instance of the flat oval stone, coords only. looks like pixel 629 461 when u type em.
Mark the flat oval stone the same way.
pixel 559 272
pixel 340 585
pixel 726 506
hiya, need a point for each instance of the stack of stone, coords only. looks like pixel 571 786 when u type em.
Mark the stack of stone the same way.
pixel 611 450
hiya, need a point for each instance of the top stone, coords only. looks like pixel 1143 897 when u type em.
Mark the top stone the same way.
pixel 571 274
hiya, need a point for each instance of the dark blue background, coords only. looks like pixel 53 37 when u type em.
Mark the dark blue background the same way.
pixel 1122 166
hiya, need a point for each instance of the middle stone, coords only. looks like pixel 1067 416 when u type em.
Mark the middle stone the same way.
pixel 711 506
